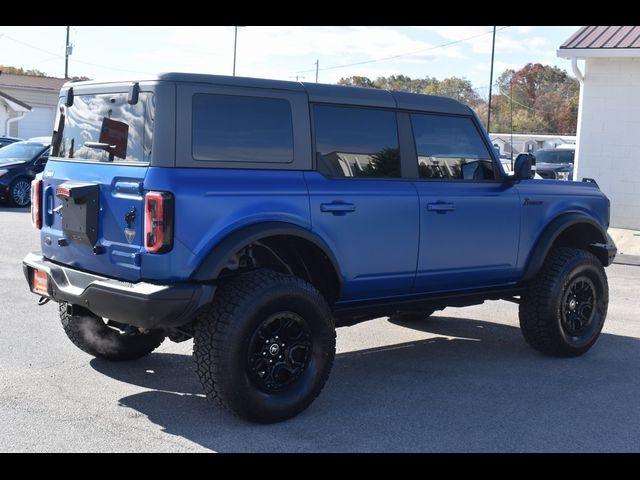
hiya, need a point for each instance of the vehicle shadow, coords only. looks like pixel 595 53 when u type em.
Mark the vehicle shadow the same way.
pixel 9 209
pixel 475 386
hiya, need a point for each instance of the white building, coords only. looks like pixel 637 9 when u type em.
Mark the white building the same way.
pixel 27 105
pixel 608 144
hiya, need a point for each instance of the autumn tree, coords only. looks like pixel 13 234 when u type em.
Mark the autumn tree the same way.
pixel 544 100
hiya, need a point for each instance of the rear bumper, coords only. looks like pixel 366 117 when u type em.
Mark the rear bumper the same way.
pixel 141 304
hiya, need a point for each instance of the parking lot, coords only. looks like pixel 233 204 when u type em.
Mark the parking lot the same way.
pixel 462 381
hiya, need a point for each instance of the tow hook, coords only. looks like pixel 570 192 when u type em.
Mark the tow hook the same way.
pixel 43 300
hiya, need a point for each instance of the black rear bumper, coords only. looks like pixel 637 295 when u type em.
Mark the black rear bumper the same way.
pixel 141 304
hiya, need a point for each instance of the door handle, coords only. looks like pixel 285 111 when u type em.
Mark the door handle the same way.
pixel 337 208
pixel 441 207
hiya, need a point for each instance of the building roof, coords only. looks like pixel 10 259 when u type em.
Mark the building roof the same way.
pixel 602 41
pixel 29 81
pixel 14 103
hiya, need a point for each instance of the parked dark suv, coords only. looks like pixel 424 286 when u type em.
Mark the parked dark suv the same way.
pixel 19 164
pixel 555 163
pixel 255 216
pixel 4 141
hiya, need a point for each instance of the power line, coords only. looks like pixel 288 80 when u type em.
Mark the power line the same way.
pixel 30 46
pixel 415 52
pixel 106 67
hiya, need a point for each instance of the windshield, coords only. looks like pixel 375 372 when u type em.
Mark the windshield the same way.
pixel 106 128
pixel 554 156
pixel 20 152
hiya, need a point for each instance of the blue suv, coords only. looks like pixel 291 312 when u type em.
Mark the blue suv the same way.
pixel 255 216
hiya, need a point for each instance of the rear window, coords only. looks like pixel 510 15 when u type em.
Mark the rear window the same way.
pixel 233 128
pixel 106 128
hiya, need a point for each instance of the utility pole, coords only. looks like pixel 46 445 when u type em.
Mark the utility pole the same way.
pixel 317 68
pixel 511 115
pixel 493 49
pixel 298 77
pixel 235 43
pixel 66 56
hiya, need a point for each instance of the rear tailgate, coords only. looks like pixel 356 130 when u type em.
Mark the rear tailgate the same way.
pixel 119 211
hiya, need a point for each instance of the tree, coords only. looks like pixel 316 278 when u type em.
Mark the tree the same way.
pixel 31 72
pixel 357 81
pixel 460 89
pixel 545 98
pixel 21 71
pixel 548 94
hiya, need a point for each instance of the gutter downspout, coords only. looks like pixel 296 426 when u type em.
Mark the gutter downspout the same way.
pixel 576 70
pixel 10 120
pixel 580 76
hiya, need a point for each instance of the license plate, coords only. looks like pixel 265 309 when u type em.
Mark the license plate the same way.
pixel 40 283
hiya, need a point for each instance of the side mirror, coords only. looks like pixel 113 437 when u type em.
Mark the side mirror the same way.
pixel 524 166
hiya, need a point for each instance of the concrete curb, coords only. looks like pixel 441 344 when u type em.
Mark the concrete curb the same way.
pixel 627 260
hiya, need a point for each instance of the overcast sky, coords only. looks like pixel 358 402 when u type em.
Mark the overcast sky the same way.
pixel 112 53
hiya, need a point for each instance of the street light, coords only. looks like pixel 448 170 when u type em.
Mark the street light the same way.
pixel 235 43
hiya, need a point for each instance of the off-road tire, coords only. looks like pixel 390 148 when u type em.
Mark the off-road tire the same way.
pixel 92 335
pixel 545 312
pixel 228 329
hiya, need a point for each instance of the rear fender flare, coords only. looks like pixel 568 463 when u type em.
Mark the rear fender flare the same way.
pixel 217 258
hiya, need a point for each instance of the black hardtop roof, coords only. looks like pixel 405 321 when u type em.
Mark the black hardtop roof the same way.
pixel 319 92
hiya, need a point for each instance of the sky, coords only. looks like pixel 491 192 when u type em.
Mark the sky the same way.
pixel 284 53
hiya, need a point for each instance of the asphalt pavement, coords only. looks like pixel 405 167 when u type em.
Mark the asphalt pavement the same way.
pixel 462 381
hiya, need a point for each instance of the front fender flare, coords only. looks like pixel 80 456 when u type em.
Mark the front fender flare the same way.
pixel 545 241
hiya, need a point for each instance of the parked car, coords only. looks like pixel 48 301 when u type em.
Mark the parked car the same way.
pixel 4 141
pixel 19 164
pixel 555 163
pixel 255 216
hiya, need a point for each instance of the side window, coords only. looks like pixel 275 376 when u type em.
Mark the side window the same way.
pixel 356 142
pixel 450 148
pixel 231 128
pixel 566 156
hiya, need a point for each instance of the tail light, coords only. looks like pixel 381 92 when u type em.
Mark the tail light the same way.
pixel 36 203
pixel 158 222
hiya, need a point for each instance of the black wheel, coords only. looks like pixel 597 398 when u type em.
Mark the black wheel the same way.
pixel 411 317
pixel 265 346
pixel 20 192
pixel 114 342
pixel 564 309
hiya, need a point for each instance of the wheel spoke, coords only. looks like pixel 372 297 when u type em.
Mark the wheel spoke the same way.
pixel 578 306
pixel 279 351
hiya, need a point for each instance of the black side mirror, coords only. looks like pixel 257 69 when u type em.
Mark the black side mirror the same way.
pixel 523 167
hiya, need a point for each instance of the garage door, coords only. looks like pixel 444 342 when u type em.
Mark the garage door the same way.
pixel 36 123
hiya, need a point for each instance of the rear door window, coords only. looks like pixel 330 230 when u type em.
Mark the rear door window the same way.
pixel 356 142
